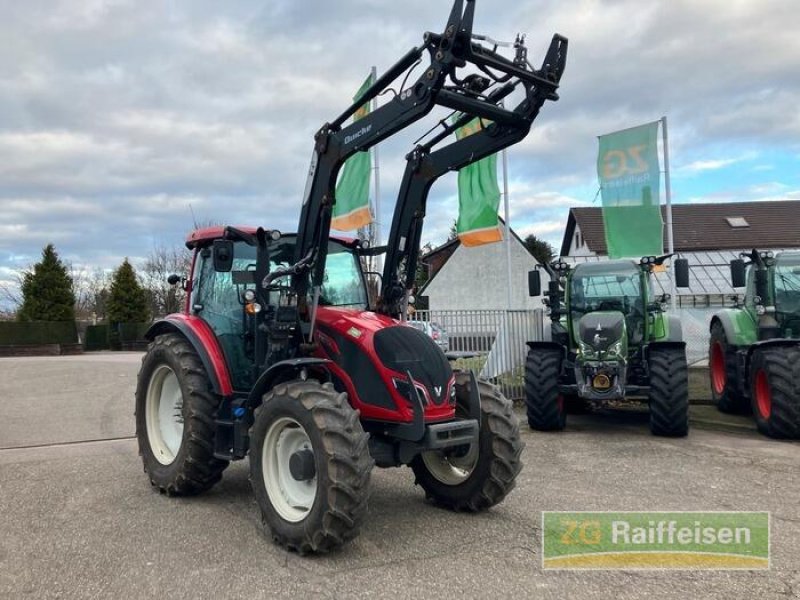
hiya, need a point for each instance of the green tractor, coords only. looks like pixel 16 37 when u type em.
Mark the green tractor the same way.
pixel 610 339
pixel 754 351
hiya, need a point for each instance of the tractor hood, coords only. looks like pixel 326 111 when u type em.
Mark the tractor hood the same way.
pixel 601 330
pixel 375 356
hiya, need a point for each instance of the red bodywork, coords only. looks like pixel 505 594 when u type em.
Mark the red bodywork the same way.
pixel 341 320
pixel 347 322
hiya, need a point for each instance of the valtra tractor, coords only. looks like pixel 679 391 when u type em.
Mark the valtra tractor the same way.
pixel 280 355
pixel 754 352
pixel 610 339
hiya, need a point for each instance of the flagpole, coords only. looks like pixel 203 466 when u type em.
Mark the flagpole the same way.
pixel 377 169
pixel 667 189
pixel 508 227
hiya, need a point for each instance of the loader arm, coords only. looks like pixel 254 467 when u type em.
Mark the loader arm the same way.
pixel 424 167
pixel 453 49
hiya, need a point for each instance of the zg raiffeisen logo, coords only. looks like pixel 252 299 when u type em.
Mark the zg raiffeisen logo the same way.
pixel 655 540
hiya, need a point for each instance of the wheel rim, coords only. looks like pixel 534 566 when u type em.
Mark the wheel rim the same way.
pixel 718 368
pixel 451 469
pixel 763 395
pixel 164 415
pixel 291 499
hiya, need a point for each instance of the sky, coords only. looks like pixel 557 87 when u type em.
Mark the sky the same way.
pixel 122 122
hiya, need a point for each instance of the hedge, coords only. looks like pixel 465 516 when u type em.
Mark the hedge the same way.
pixel 13 333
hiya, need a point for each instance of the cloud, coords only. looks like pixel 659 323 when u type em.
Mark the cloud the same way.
pixel 117 116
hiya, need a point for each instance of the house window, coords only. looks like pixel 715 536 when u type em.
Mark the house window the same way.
pixel 578 239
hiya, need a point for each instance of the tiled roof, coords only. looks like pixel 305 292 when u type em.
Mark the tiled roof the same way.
pixel 771 224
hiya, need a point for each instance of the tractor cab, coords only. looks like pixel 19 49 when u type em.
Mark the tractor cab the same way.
pixel 786 283
pixel 225 295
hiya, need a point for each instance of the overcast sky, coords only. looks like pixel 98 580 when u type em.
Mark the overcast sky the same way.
pixel 118 118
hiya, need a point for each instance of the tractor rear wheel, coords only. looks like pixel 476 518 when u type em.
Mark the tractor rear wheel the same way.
pixel 309 466
pixel 669 391
pixel 483 474
pixel 544 404
pixel 175 418
pixel 775 374
pixel 722 373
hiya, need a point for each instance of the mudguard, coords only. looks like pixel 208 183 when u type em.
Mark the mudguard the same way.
pixel 547 345
pixel 277 372
pixel 198 333
pixel 739 328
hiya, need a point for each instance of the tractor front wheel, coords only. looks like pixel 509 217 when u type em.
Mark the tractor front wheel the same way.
pixel 309 466
pixel 544 404
pixel 722 372
pixel 481 475
pixel 775 374
pixel 669 391
pixel 175 418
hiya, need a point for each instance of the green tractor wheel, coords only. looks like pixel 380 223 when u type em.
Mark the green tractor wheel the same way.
pixel 775 374
pixel 669 392
pixel 722 373
pixel 544 404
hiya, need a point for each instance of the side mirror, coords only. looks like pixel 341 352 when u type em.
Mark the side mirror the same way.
pixel 738 278
pixel 173 279
pixel 534 283
pixel 682 273
pixel 223 255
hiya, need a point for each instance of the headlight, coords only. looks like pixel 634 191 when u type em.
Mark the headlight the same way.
pixel 760 309
pixel 586 350
pixel 615 348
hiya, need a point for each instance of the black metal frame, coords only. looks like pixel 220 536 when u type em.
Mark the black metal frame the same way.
pixel 450 50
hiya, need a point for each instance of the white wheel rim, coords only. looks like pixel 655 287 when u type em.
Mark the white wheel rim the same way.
pixel 449 469
pixel 291 499
pixel 164 415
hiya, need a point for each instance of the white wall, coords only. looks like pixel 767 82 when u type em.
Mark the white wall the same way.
pixel 579 250
pixel 477 278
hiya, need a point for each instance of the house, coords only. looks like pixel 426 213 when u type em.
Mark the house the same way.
pixel 476 278
pixel 708 235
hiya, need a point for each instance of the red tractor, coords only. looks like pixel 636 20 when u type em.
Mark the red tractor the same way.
pixel 280 354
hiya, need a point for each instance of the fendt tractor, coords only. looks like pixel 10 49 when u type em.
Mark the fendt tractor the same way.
pixel 281 355
pixel 610 339
pixel 754 352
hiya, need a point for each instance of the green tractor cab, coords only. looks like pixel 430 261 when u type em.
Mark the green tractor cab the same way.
pixel 754 350
pixel 610 338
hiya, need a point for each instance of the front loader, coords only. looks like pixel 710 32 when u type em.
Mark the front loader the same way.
pixel 754 349
pixel 280 356
pixel 611 338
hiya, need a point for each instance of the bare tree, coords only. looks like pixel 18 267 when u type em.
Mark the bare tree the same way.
pixel 160 263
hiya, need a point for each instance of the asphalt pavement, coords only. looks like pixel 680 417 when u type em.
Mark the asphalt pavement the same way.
pixel 78 518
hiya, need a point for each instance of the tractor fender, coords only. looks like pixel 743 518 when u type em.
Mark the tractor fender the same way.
pixel 773 343
pixel 547 345
pixel 667 344
pixel 198 333
pixel 734 333
pixel 674 331
pixel 284 370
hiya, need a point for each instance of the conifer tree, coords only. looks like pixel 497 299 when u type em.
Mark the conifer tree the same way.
pixel 47 290
pixel 127 300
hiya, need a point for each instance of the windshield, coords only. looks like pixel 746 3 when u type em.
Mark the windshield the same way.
pixel 613 288
pixel 787 284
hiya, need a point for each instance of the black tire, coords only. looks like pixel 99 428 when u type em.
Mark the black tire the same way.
pixel 543 402
pixel 492 474
pixel 342 466
pixel 780 369
pixel 193 469
pixel 669 392
pixel 723 374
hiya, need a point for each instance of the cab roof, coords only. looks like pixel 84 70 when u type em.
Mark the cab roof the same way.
pixel 206 235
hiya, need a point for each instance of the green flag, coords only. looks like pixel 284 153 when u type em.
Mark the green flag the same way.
pixel 478 196
pixel 628 168
pixel 351 210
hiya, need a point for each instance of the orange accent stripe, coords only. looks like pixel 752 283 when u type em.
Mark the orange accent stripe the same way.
pixel 488 235
pixel 360 217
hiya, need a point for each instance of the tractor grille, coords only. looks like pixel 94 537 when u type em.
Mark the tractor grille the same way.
pixel 405 349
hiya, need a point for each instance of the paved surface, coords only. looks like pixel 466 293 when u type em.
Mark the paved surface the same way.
pixel 79 520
